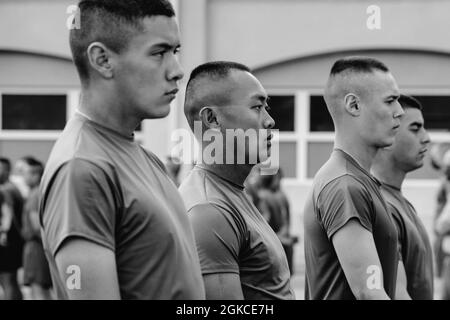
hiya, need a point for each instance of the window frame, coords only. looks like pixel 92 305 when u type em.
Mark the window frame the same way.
pixel 303 135
pixel 73 96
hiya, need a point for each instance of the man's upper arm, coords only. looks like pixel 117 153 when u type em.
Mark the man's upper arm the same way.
pixel 218 239
pixel 223 286
pixel 357 254
pixel 401 291
pixel 80 202
pixel 87 270
pixel 78 227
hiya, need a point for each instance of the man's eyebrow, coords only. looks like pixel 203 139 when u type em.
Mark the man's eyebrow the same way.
pixel 260 97
pixel 167 46
pixel 393 96
pixel 416 123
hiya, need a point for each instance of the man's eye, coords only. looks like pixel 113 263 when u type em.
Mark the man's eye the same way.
pixel 159 53
pixel 177 50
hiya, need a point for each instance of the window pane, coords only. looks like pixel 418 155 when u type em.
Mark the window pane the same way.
pixel 288 159
pixel 320 119
pixel 436 112
pixel 318 154
pixel 282 111
pixel 33 112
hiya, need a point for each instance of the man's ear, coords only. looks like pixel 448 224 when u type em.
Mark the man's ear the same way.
pixel 208 116
pixel 352 104
pixel 100 59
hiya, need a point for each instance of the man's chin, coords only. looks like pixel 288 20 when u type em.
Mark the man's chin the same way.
pixel 161 112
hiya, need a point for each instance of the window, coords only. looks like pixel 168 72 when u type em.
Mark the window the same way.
pixel 282 111
pixel 320 119
pixel 436 112
pixel 33 112
pixel 288 159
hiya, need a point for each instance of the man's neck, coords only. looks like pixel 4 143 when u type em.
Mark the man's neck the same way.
pixel 385 170
pixel 362 153
pixel 236 173
pixel 106 111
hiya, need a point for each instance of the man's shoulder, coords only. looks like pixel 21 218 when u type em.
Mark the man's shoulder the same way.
pixel 78 138
pixel 78 142
pixel 344 181
pixel 194 189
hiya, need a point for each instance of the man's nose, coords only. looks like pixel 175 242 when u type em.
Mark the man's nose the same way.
pixel 399 111
pixel 175 72
pixel 269 123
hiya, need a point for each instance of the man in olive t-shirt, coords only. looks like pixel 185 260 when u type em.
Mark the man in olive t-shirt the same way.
pixel 391 166
pixel 350 239
pixel 114 225
pixel 342 191
pixel 240 255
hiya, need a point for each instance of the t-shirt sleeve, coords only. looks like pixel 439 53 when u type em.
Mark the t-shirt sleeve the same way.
pixel 80 202
pixel 343 199
pixel 217 238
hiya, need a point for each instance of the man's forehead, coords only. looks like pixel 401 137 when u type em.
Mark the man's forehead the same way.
pixel 385 81
pixel 248 85
pixel 160 29
pixel 412 115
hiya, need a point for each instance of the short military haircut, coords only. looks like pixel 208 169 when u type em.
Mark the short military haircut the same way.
pixel 409 102
pixel 113 23
pixel 357 64
pixel 208 73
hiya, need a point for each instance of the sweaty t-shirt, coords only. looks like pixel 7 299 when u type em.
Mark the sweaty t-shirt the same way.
pixel 415 246
pixel 343 190
pixel 233 237
pixel 104 187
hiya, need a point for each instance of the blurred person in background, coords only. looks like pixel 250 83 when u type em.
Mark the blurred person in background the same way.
pixel 442 227
pixel 273 204
pixel 11 251
pixel 17 177
pixel 36 270
pixel 391 165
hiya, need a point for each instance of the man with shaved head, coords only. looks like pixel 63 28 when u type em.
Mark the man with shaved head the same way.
pixel 240 255
pixel 350 238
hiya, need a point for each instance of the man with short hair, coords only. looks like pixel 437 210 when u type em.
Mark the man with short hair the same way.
pixel 11 250
pixel 112 220
pixel 240 255
pixel 350 239
pixel 390 167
